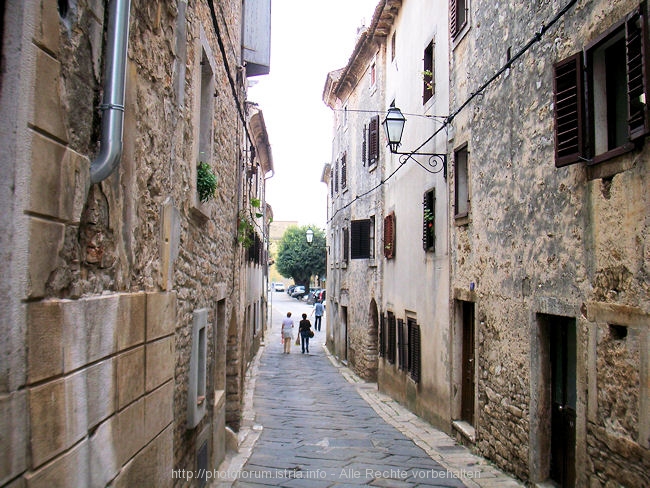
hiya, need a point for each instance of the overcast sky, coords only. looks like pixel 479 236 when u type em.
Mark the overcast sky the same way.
pixel 308 39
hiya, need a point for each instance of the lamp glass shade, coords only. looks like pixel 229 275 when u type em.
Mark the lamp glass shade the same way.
pixel 310 236
pixel 394 126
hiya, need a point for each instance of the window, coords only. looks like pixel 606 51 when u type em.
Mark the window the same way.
pixel 382 336
pixel 346 245
pixel 461 182
pixel 428 74
pixel 457 16
pixel 373 75
pixel 360 239
pixel 371 237
pixel 402 346
pixel 392 46
pixel 373 140
pixel 429 220
pixel 336 176
pixel 390 338
pixel 389 236
pixel 414 350
pixel 344 171
pixel 604 116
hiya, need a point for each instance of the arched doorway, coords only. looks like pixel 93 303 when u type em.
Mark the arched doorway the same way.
pixel 372 347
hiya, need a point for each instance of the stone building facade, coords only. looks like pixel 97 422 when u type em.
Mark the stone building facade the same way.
pixel 533 306
pixel 355 95
pixel 549 228
pixel 126 327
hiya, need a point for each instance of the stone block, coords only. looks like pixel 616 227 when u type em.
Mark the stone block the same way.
pixel 131 320
pixel 159 410
pixel 161 315
pixel 101 380
pixel 48 111
pixel 101 318
pixel 46 32
pixel 160 362
pixel 58 416
pixel 103 455
pixel 151 467
pixel 75 335
pixel 13 435
pixel 45 244
pixel 44 340
pixel 130 376
pixel 48 421
pixel 130 428
pixel 46 195
pixel 75 183
pixel 70 469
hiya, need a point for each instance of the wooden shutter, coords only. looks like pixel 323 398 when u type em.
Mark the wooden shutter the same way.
pixel 389 236
pixel 382 336
pixel 415 355
pixel 344 171
pixel 402 346
pixel 364 145
pixel 360 239
pixel 569 103
pixel 346 245
pixel 373 140
pixel 390 346
pixel 635 46
pixel 452 18
pixel 428 227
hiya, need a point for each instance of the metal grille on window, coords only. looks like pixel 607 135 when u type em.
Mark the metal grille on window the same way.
pixel 389 236
pixel 344 171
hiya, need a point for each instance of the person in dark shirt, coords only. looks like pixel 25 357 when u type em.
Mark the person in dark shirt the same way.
pixel 305 332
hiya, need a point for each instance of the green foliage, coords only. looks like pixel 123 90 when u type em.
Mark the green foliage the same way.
pixel 206 182
pixel 299 260
pixel 245 232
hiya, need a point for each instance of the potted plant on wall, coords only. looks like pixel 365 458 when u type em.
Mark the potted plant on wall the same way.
pixel 206 182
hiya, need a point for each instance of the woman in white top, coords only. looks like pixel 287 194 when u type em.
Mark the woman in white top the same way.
pixel 287 333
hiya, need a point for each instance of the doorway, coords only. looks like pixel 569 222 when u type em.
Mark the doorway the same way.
pixel 562 356
pixel 553 423
pixel 468 363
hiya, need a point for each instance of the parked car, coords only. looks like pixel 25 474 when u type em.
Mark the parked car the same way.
pixel 298 292
pixel 290 289
pixel 277 286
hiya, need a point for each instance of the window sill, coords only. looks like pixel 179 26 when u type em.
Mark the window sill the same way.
pixel 372 263
pixel 372 167
pixel 201 212
pixel 606 168
pixel 462 220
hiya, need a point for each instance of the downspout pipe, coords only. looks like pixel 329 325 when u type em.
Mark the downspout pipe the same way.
pixel 112 105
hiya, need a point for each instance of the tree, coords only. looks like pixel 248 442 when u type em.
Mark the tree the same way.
pixel 299 260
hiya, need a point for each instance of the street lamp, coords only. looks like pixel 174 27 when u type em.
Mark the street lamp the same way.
pixel 310 236
pixel 394 127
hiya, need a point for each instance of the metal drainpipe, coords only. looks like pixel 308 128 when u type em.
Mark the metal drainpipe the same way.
pixel 114 87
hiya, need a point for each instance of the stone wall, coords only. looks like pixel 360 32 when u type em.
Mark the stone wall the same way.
pixel 544 241
pixel 106 279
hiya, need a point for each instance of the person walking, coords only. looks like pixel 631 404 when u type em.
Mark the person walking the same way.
pixel 287 332
pixel 305 332
pixel 318 310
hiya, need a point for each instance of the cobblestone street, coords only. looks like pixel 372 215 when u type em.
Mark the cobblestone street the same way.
pixel 314 423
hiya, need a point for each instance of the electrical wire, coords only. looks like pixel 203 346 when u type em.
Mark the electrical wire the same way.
pixel 536 38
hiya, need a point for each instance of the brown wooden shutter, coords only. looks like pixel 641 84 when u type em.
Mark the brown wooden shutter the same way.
pixel 452 18
pixel 389 236
pixel 636 32
pixel 373 137
pixel 568 93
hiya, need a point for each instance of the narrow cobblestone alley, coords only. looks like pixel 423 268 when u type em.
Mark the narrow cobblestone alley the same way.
pixel 312 423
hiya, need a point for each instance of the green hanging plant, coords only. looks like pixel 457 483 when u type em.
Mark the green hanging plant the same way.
pixel 206 182
pixel 245 232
